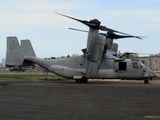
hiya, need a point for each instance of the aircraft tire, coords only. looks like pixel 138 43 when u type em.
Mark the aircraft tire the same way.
pixel 81 80
pixel 146 81
pixel 78 81
pixel 85 80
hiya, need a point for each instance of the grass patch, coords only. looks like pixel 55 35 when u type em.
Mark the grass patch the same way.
pixel 156 78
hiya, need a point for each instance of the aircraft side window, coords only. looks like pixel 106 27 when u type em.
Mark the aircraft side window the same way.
pixel 122 66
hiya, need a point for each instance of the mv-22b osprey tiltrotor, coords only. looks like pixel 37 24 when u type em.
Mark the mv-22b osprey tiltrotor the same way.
pixel 97 62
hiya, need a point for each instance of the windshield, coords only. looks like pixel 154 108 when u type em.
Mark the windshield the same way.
pixel 137 64
pixel 143 66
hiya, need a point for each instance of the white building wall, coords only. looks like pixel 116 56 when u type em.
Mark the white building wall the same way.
pixel 3 62
pixel 153 62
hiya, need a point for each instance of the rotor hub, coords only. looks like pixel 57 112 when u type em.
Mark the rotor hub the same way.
pixel 96 23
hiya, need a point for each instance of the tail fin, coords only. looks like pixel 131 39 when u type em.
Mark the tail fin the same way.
pixel 27 48
pixel 14 55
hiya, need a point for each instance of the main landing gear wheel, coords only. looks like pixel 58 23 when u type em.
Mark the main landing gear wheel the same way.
pixel 81 80
pixel 146 81
pixel 85 80
pixel 78 81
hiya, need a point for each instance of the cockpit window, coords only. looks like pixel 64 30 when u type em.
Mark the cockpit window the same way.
pixel 137 64
pixel 143 65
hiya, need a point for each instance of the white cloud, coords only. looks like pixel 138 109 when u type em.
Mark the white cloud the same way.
pixel 37 21
pixel 30 15
pixel 132 18
pixel 44 5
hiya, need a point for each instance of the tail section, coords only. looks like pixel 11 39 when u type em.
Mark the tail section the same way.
pixel 14 55
pixel 27 48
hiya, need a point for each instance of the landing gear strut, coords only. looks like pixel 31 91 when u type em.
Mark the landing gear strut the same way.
pixel 146 81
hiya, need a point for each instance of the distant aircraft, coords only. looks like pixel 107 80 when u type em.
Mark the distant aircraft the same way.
pixel 17 68
pixel 97 62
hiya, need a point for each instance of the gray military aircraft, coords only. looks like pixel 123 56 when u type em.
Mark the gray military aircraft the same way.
pixel 17 68
pixel 97 62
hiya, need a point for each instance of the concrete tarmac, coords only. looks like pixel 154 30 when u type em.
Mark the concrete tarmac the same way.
pixel 97 100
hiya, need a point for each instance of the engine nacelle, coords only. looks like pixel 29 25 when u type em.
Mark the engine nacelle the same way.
pixel 95 50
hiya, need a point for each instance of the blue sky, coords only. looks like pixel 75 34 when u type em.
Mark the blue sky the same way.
pixel 35 20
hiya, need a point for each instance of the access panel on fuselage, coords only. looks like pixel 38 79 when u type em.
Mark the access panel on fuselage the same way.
pixel 107 64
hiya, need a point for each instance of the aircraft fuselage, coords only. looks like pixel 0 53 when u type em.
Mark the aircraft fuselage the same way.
pixel 110 68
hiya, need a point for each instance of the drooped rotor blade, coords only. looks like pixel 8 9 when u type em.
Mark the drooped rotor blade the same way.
pixel 127 53
pixel 103 28
pixel 78 30
pixel 95 24
pixel 88 23
pixel 115 36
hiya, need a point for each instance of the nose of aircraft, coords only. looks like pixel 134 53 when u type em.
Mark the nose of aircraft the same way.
pixel 154 74
pixel 150 73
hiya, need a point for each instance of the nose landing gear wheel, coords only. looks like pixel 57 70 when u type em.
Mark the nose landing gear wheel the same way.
pixel 146 81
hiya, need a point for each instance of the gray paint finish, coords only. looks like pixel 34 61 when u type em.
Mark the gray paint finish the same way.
pixel 75 67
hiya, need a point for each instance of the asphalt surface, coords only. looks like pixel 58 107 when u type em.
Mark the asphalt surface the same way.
pixel 97 100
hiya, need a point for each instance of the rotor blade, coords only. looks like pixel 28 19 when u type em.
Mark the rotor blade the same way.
pixel 122 36
pixel 115 36
pixel 128 53
pixel 124 54
pixel 78 30
pixel 95 24
pixel 103 28
pixel 89 24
